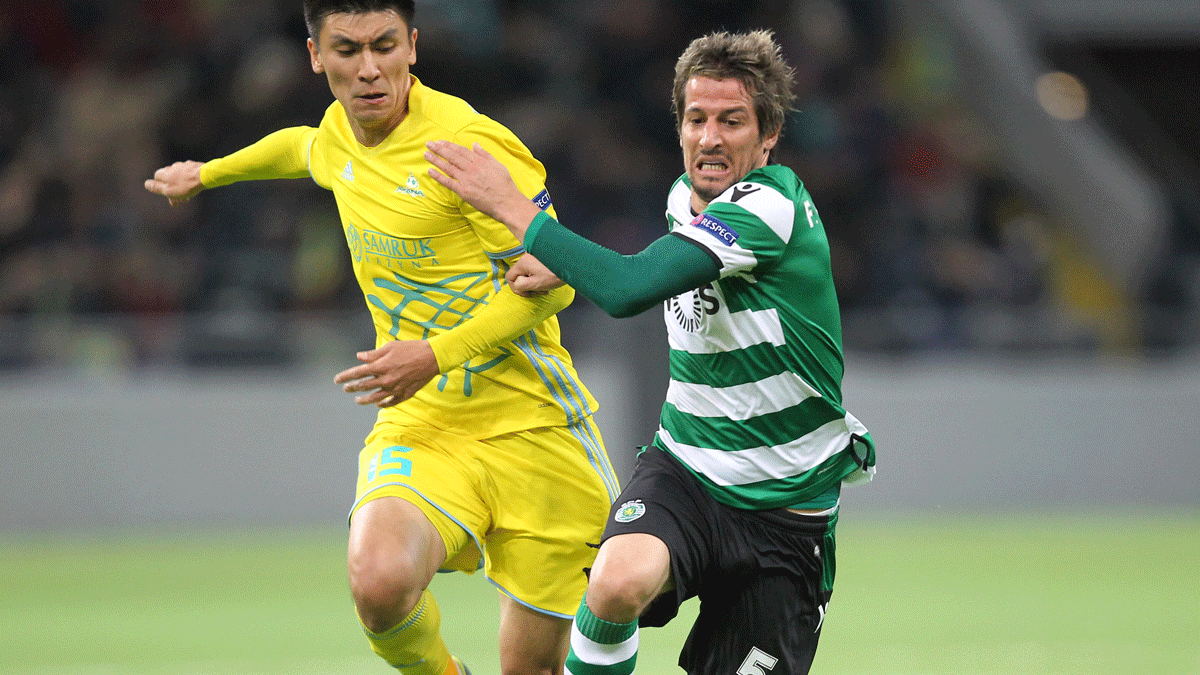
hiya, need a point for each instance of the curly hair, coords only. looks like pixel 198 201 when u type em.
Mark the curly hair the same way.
pixel 752 58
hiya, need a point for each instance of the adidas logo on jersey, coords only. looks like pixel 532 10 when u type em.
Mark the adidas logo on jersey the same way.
pixel 348 172
pixel 411 187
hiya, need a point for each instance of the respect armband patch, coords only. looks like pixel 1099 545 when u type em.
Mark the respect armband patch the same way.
pixel 716 227
pixel 542 200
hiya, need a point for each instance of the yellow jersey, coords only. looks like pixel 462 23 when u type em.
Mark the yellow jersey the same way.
pixel 427 261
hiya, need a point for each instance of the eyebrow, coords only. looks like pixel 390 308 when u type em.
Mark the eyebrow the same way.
pixel 344 40
pixel 722 112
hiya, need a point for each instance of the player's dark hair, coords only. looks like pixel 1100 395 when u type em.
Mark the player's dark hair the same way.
pixel 752 58
pixel 315 11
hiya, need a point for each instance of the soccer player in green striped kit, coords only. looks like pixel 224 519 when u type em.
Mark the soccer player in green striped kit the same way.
pixel 737 497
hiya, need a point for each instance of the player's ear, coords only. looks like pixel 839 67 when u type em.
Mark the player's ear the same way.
pixel 770 141
pixel 315 54
pixel 412 47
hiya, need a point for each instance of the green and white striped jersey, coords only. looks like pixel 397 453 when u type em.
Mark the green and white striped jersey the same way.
pixel 754 405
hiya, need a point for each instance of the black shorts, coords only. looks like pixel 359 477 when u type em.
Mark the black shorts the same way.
pixel 764 578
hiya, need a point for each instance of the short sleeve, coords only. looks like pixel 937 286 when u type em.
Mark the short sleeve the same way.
pixel 746 228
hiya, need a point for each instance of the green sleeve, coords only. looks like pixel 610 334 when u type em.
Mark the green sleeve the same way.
pixel 621 285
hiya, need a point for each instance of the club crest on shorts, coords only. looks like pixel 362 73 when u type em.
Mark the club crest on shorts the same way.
pixel 630 511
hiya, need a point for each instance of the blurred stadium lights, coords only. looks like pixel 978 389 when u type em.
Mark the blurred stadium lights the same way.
pixel 1062 95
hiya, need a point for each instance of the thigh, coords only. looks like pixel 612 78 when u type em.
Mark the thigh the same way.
pixel 631 570
pixel 770 624
pixel 549 490
pixel 531 641
pixel 391 536
pixel 765 606
pixel 663 500
pixel 430 470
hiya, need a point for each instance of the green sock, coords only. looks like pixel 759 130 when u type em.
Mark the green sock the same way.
pixel 604 647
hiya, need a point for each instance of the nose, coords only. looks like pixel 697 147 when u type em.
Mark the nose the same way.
pixel 368 70
pixel 710 137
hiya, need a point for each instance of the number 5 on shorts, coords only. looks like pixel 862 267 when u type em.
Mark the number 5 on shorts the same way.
pixel 757 662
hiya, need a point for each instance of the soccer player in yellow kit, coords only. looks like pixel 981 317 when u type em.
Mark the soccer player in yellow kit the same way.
pixel 484 451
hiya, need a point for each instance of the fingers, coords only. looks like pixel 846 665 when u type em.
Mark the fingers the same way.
pixel 382 396
pixel 391 401
pixel 526 286
pixel 443 178
pixel 349 374
pixel 442 171
pixel 358 372
pixel 521 283
pixel 159 187
pixel 376 398
pixel 449 152
pixel 452 159
pixel 378 390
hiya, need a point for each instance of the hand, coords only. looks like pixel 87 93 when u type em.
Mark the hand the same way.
pixel 392 373
pixel 178 182
pixel 483 182
pixel 528 277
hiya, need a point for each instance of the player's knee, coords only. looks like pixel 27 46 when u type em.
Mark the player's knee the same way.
pixel 385 588
pixel 619 598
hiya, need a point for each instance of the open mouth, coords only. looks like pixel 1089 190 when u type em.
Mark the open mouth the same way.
pixel 372 97
pixel 712 166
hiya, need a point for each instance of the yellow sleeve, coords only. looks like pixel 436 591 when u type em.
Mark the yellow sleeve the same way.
pixel 527 172
pixel 282 154
pixel 503 319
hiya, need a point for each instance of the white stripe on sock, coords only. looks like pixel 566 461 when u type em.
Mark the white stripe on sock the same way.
pixel 599 654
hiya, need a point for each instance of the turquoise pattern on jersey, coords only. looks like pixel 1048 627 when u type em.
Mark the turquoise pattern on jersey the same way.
pixel 441 297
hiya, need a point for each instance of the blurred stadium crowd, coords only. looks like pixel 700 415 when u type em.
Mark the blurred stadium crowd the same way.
pixel 935 245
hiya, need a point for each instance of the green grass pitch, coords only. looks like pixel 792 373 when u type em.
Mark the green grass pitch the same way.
pixel 934 594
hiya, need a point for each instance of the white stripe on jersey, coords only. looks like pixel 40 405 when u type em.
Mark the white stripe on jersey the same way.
pixel 765 202
pixel 679 203
pixel 741 401
pixel 738 330
pixel 740 467
pixel 733 258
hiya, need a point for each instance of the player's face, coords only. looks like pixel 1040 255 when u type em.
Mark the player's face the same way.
pixel 719 137
pixel 366 57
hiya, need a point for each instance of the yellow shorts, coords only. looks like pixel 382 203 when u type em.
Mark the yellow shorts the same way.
pixel 527 504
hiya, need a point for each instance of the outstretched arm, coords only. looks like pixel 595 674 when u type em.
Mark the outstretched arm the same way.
pixel 282 154
pixel 620 285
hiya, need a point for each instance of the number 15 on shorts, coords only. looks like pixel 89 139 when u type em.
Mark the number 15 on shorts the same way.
pixel 388 462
